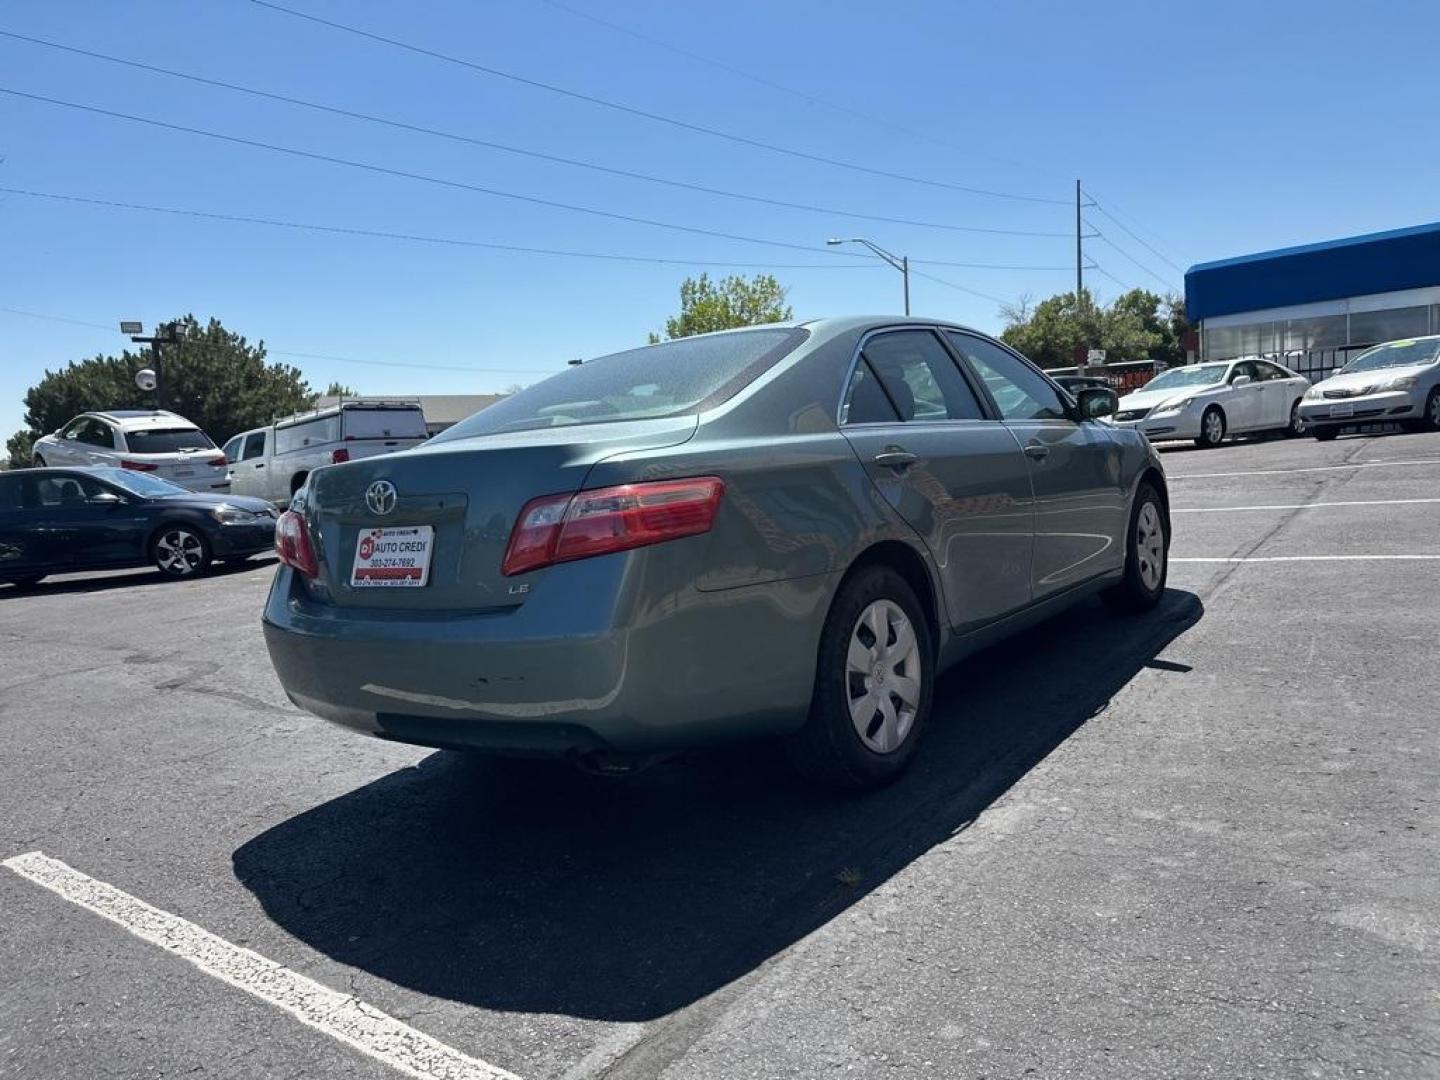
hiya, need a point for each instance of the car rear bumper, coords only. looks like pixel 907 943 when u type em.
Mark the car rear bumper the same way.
pixel 562 672
pixel 1370 409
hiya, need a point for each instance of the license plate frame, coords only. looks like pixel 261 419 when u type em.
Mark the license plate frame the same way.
pixel 388 558
pixel 1339 412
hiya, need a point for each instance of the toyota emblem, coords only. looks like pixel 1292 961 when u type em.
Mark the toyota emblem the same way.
pixel 380 497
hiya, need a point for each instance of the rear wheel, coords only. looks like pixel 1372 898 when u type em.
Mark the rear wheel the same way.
pixel 39 462
pixel 27 581
pixel 1147 555
pixel 180 551
pixel 873 685
pixel 1212 428
pixel 1431 419
pixel 1325 434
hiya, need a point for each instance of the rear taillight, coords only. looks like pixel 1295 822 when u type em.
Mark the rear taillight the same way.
pixel 561 528
pixel 218 461
pixel 292 544
pixel 138 466
pixel 340 456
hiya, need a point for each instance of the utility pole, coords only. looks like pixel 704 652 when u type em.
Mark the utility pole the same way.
pixel 1079 255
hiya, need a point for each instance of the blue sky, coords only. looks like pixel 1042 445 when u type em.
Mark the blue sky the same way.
pixel 1210 130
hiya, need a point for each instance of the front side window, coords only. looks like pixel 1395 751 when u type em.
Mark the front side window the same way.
pixel 919 377
pixel 72 429
pixel 232 450
pixel 1020 392
pixel 254 446
pixel 167 440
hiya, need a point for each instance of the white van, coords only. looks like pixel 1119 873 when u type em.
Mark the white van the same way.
pixel 272 462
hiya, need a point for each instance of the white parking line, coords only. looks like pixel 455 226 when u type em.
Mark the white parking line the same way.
pixel 338 1015
pixel 1300 506
pixel 1307 558
pixel 1307 469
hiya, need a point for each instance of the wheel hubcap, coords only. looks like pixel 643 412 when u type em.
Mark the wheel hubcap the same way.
pixel 1150 546
pixel 1435 410
pixel 179 552
pixel 1297 422
pixel 1213 427
pixel 882 676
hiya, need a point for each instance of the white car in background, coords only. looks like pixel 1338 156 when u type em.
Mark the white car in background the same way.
pixel 273 462
pixel 152 441
pixel 1207 402
pixel 1397 381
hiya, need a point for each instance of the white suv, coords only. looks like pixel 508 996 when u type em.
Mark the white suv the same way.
pixel 144 440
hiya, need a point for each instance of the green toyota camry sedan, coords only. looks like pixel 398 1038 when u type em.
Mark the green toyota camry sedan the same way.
pixel 785 530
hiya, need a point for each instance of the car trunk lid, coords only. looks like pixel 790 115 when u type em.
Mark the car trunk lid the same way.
pixel 469 491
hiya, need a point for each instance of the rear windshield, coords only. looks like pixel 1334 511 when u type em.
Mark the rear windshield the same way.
pixel 384 424
pixel 669 379
pixel 167 440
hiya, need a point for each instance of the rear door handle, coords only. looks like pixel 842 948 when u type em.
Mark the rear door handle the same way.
pixel 1037 451
pixel 895 458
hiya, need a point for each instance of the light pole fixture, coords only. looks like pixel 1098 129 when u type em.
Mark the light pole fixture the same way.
pixel 148 379
pixel 899 262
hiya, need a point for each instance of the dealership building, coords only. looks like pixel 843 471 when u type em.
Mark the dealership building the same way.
pixel 1313 307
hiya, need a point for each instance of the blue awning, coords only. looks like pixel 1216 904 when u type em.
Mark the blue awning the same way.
pixel 1356 266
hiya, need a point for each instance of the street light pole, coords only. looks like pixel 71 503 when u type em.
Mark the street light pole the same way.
pixel 899 262
pixel 168 334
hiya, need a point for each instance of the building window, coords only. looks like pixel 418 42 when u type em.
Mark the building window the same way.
pixel 1373 327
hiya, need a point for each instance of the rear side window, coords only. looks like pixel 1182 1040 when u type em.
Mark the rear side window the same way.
pixel 167 440
pixel 1020 392
pixel 669 379
pixel 920 377
pixel 254 446
pixel 94 433
pixel 65 490
pixel 10 493
pixel 384 424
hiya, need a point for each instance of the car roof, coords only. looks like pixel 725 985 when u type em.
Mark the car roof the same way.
pixel 140 419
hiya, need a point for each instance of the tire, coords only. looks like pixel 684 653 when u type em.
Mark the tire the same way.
pixel 1431 420
pixel 1296 427
pixel 38 463
pixel 831 749
pixel 29 581
pixel 180 551
pixel 1147 555
pixel 1325 434
pixel 1212 428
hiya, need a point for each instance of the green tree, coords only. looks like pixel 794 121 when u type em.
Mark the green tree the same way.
pixel 339 389
pixel 734 301
pixel 1137 325
pixel 211 376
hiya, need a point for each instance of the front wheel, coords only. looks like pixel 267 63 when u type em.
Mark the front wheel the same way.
pixel 1296 427
pixel 873 685
pixel 1147 555
pixel 1431 419
pixel 39 462
pixel 1212 428
pixel 1325 434
pixel 24 581
pixel 180 551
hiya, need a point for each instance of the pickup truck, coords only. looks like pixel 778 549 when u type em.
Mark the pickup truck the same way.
pixel 273 462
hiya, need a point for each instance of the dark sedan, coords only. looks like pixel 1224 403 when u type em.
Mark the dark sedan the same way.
pixel 56 521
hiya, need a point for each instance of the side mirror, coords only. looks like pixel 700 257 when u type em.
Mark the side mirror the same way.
pixel 1093 402
pixel 104 498
pixel 1241 380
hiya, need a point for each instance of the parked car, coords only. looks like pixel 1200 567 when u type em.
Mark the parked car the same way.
pixel 143 440
pixel 1399 380
pixel 1206 402
pixel 782 530
pixel 273 462
pixel 55 521
pixel 1075 383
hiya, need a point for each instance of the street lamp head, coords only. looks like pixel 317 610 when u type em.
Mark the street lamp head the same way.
pixel 131 326
pixel 834 240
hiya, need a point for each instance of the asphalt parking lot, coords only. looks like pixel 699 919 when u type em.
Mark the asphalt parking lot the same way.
pixel 1205 842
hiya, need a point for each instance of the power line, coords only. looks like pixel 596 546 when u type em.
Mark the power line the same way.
pixel 419 237
pixel 504 148
pixel 305 355
pixel 1131 258
pixel 424 178
pixel 656 117
pixel 1138 239
pixel 1100 269
pixel 760 80
pixel 952 285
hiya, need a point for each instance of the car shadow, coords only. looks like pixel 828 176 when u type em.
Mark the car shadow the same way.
pixel 141 577
pixel 513 887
